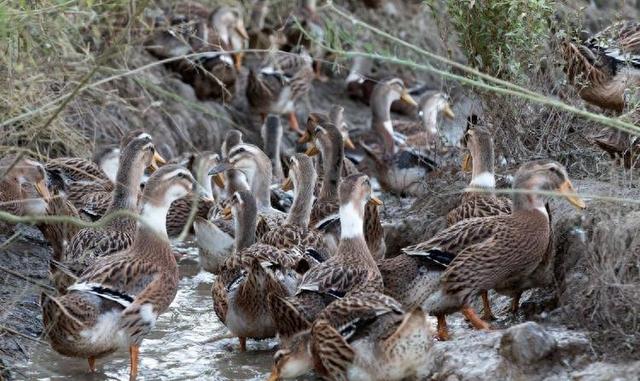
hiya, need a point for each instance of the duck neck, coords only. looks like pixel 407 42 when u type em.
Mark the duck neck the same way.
pixel 332 161
pixel 300 212
pixel 526 201
pixel 125 194
pixel 381 120
pixel 153 223
pixel 482 173
pixel 261 186
pixel 352 239
pixel 245 226
pixel 272 150
pixel 430 118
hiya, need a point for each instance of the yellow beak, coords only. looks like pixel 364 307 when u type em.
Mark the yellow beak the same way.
pixel 467 162
pixel 242 31
pixel 305 138
pixel 348 143
pixel 226 213
pixel 218 179
pixel 312 150
pixel 448 112
pixel 407 98
pixel 157 161
pixel 375 201
pixel 287 185
pixel 42 190
pixel 569 192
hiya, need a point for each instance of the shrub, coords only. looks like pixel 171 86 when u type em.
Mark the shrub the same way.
pixel 499 37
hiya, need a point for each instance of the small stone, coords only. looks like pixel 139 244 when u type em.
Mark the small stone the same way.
pixel 526 343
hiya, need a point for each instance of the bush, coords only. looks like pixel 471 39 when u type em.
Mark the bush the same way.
pixel 499 37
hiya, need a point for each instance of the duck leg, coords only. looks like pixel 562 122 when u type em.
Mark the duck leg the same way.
pixel 243 344
pixel 133 357
pixel 475 320
pixel 515 303
pixel 443 333
pixel 487 314
pixel 92 364
pixel 238 57
pixel 293 123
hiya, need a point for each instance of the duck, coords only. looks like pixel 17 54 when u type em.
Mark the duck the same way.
pixel 213 72
pixel 251 272
pixel 215 236
pixel 352 269
pixel 364 336
pixel 118 233
pixel 484 253
pixel 180 210
pixel 17 173
pixel 118 299
pixel 480 160
pixel 256 168
pixel 425 132
pixel 262 36
pixel 305 28
pixel 278 84
pixel 336 117
pixel 604 65
pixel 399 170
pixel 479 204
pixel 604 68
pixel 295 232
pixel 360 83
pixel 328 142
pixel 87 186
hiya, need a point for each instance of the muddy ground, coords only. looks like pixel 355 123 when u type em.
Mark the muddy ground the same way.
pixel 576 349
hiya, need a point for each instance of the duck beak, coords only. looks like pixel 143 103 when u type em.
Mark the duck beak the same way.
pixel 202 193
pixel 312 150
pixel 375 201
pixel 242 31
pixel 407 98
pixel 467 162
pixel 156 162
pixel 305 138
pixel 226 213
pixel 448 112
pixel 220 168
pixel 348 143
pixel 218 179
pixel 569 192
pixel 287 185
pixel 43 191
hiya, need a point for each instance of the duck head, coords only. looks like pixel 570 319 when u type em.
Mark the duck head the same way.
pixel 430 108
pixel 295 360
pixel 543 175
pixel 166 185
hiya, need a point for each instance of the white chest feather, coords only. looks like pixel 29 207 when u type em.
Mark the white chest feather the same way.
pixel 351 221
pixel 484 180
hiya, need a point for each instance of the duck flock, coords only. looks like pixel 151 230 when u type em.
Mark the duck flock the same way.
pixel 296 243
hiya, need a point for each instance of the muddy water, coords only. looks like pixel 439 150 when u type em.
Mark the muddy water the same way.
pixel 175 349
